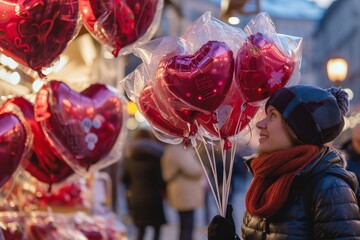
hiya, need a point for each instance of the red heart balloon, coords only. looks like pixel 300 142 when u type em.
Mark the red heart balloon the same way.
pixel 118 23
pixel 200 80
pixel 46 163
pixel 82 126
pixel 261 68
pixel 35 33
pixel 13 140
pixel 159 115
pixel 178 108
pixel 229 114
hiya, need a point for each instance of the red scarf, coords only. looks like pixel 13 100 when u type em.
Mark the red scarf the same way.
pixel 273 176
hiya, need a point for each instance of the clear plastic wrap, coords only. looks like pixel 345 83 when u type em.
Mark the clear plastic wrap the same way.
pixel 267 61
pixel 35 33
pixel 120 24
pixel 206 55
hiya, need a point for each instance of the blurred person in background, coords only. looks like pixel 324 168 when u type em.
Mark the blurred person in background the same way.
pixel 143 181
pixel 300 189
pixel 352 151
pixel 352 154
pixel 183 174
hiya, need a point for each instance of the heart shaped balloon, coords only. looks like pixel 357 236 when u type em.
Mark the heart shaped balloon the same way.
pixel 200 80
pixel 82 126
pixel 118 23
pixel 261 68
pixel 159 115
pixel 232 117
pixel 13 145
pixel 46 163
pixel 178 108
pixel 35 33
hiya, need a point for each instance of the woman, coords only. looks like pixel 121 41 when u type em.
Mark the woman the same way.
pixel 291 157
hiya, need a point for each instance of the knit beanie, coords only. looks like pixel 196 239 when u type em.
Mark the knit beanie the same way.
pixel 315 115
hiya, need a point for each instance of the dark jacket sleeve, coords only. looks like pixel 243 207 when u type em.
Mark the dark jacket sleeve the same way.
pixel 335 210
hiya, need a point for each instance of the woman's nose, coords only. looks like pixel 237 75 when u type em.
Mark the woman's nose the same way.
pixel 261 123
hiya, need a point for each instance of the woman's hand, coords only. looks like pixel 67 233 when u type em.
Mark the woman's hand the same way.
pixel 221 228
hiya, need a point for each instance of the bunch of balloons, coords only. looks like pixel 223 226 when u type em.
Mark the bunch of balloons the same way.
pixel 208 84
pixel 63 133
pixel 34 33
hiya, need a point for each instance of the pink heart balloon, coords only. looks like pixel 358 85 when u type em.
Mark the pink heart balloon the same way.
pixel 13 139
pixel 46 163
pixel 34 33
pixel 261 68
pixel 118 23
pixel 200 80
pixel 159 115
pixel 82 126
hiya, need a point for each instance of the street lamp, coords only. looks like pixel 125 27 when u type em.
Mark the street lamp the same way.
pixel 337 69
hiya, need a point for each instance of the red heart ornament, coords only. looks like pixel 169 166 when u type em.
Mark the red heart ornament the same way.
pixel 13 145
pixel 46 163
pixel 118 23
pixel 261 68
pixel 35 33
pixel 200 80
pixel 159 115
pixel 82 126
pixel 232 115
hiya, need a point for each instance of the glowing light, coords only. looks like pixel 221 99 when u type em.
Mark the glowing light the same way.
pixel 7 61
pixel 349 92
pixel 37 84
pixel 234 20
pixel 14 78
pixel 131 124
pixel 337 69
pixel 132 108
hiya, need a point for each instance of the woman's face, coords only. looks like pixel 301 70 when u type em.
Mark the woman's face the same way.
pixel 273 136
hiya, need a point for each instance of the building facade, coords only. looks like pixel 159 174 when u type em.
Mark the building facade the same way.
pixel 338 35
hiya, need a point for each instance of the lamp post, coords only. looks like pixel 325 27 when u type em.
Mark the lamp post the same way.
pixel 337 69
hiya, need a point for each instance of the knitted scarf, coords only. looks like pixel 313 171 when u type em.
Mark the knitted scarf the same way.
pixel 273 176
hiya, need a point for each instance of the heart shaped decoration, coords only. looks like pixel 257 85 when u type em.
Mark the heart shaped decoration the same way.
pixel 232 117
pixel 261 68
pixel 178 108
pixel 200 80
pixel 82 126
pixel 159 115
pixel 13 145
pixel 46 163
pixel 35 33
pixel 118 23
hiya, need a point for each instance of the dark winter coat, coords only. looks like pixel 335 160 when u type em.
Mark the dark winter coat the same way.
pixel 143 180
pixel 334 209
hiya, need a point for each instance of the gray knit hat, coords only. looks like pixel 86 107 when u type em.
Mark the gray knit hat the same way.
pixel 314 114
